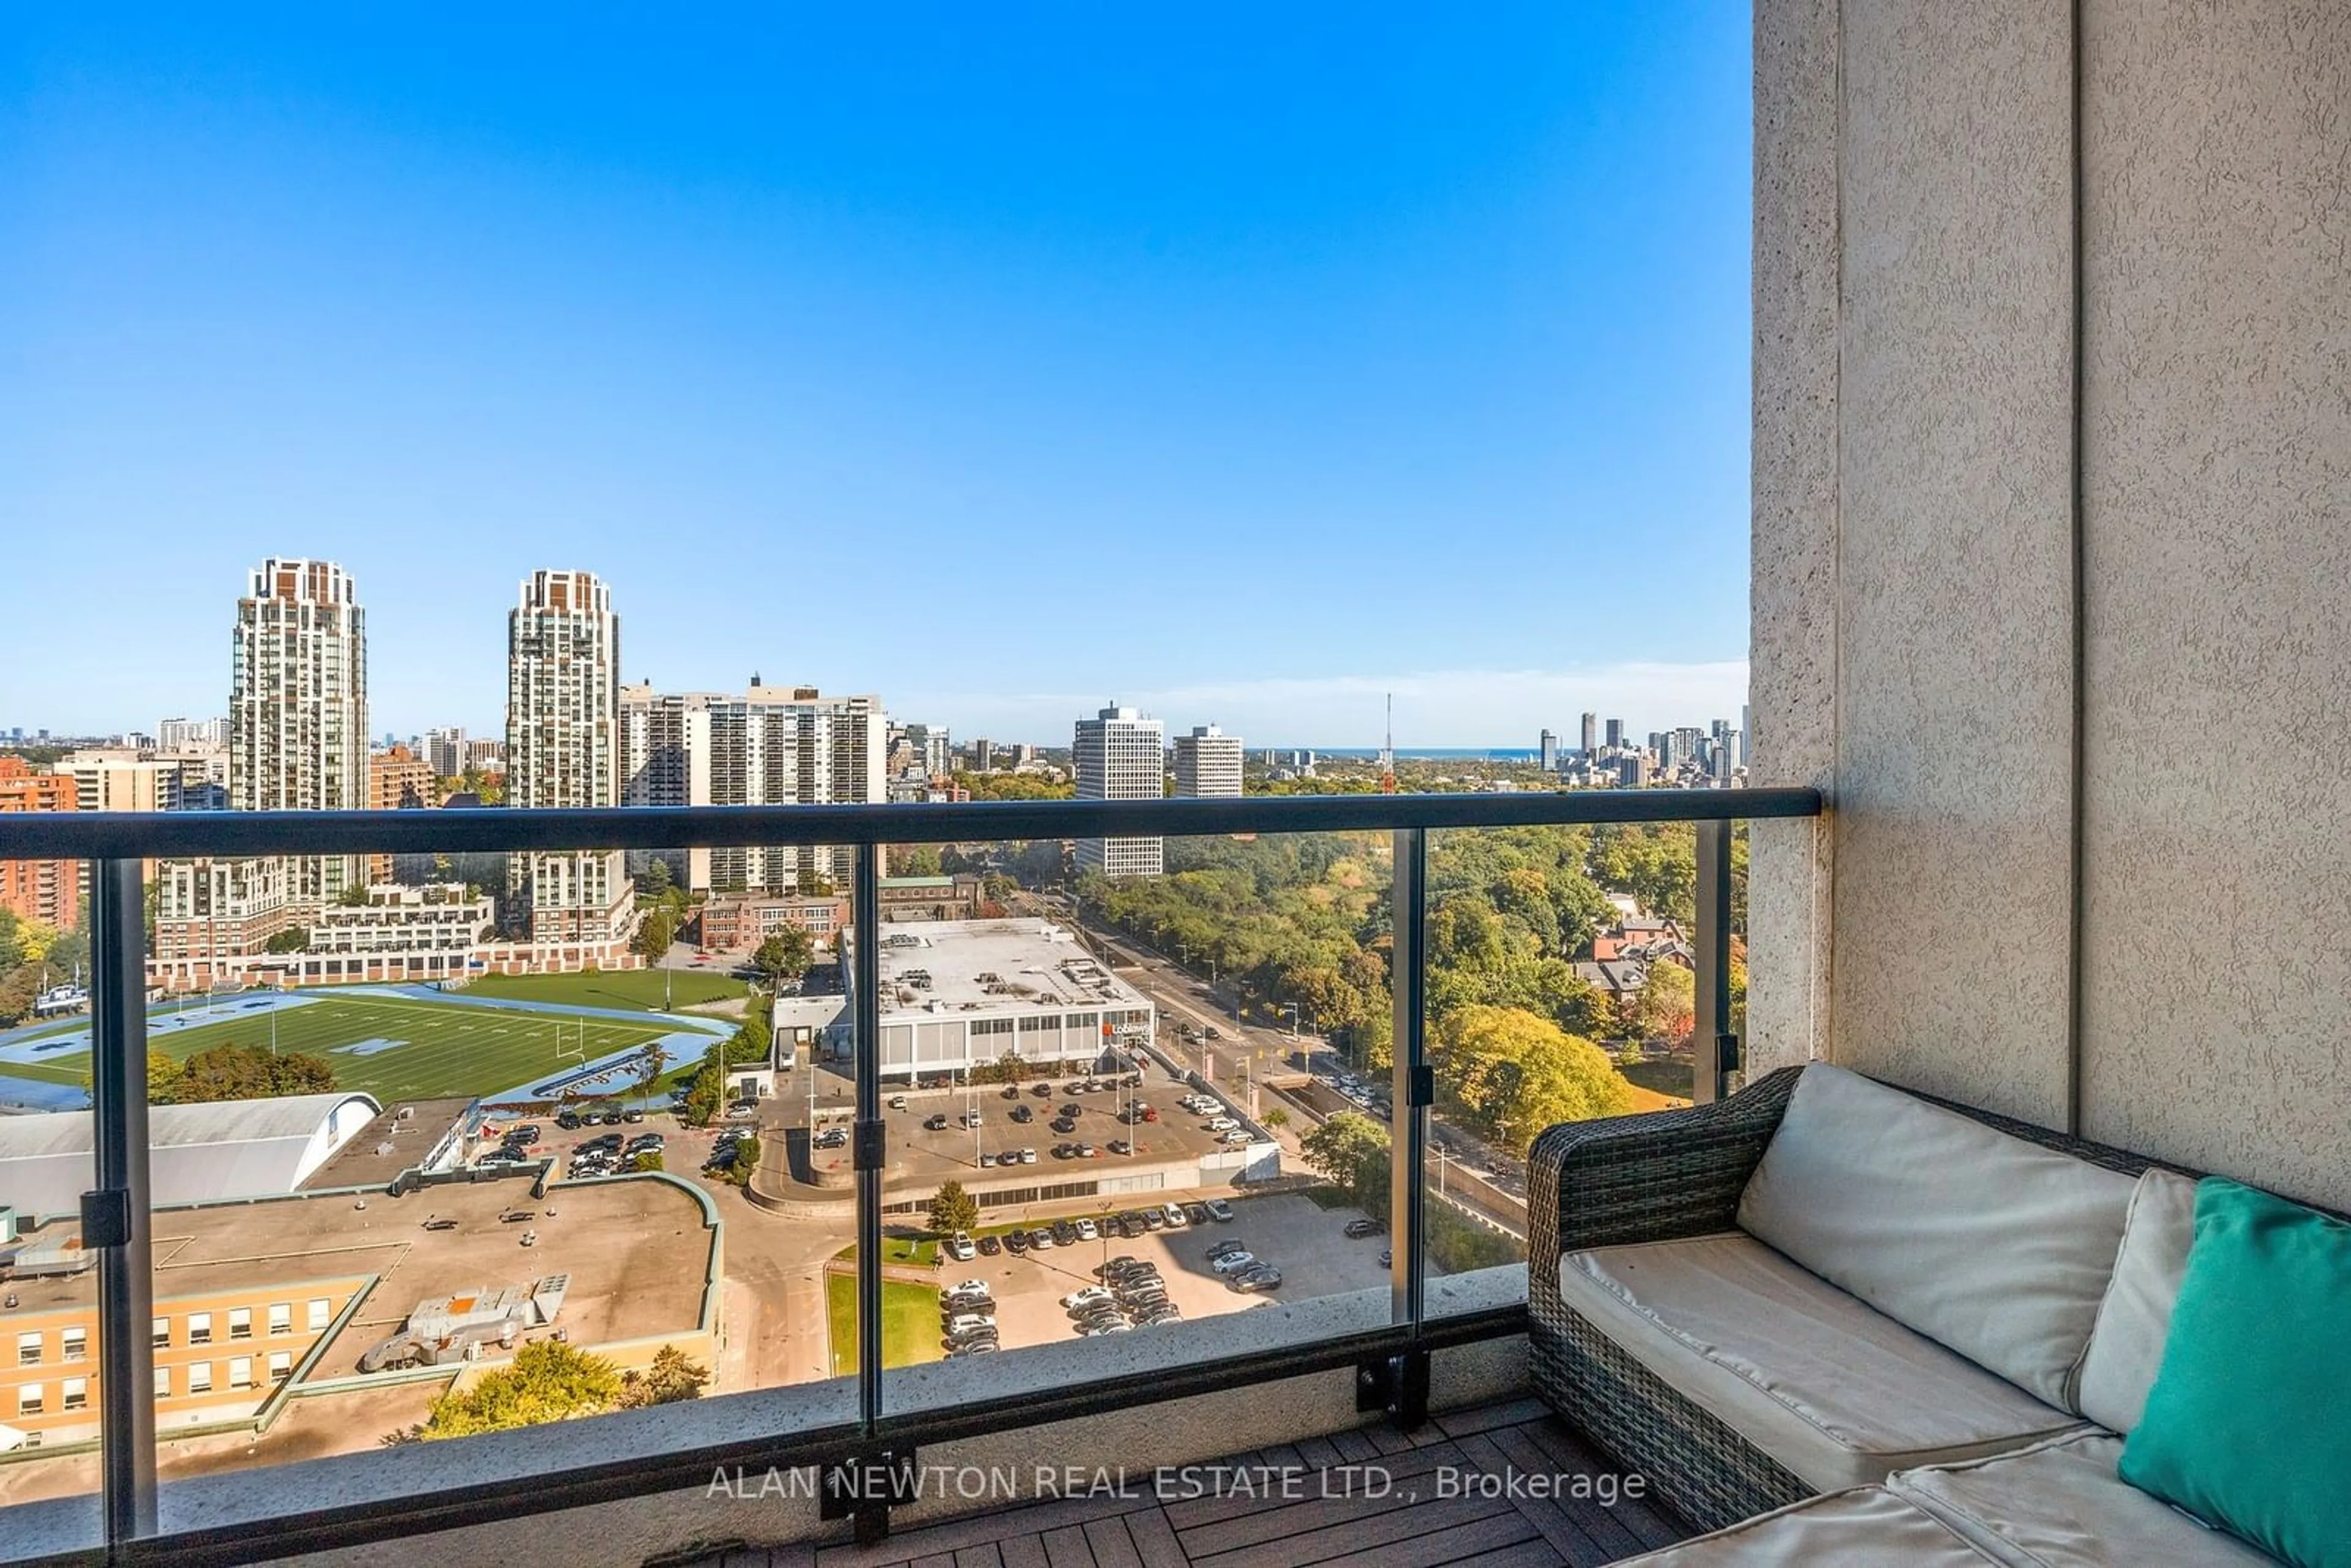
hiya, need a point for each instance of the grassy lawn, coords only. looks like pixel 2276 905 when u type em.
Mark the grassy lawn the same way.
pixel 1664 1078
pixel 448 1049
pixel 637 988
pixel 910 1323
pixel 918 1251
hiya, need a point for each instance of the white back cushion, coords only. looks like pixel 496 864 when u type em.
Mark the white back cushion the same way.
pixel 2127 1346
pixel 1996 1248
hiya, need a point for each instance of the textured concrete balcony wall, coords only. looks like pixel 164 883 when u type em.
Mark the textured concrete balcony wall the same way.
pixel 2217 530
pixel 1916 622
pixel 1912 585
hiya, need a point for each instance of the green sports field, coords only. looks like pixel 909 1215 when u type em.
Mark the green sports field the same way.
pixel 643 990
pixel 449 1048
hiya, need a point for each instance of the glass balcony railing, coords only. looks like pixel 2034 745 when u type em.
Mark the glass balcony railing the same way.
pixel 907 1095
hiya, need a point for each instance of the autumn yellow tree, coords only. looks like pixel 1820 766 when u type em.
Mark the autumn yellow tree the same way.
pixel 1516 1072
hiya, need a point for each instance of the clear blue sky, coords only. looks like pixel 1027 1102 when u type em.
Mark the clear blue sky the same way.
pixel 1240 362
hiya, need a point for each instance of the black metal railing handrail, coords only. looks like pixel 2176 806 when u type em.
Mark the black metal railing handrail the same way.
pixel 147 835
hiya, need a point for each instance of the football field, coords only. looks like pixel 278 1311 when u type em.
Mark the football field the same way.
pixel 391 1047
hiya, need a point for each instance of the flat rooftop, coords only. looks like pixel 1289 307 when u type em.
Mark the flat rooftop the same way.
pixel 401 1134
pixel 992 966
pixel 637 1251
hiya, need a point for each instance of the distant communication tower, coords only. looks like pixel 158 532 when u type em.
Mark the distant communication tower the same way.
pixel 1387 752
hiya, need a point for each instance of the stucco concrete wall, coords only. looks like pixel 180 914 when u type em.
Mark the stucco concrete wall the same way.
pixel 2217 532
pixel 1792 663
pixel 1930 590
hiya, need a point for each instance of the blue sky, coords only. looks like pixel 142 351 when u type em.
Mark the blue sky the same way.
pixel 1244 363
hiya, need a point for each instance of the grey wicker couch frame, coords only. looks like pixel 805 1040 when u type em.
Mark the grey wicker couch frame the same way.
pixel 1662 1176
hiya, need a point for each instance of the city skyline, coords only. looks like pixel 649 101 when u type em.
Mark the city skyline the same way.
pixel 1392 355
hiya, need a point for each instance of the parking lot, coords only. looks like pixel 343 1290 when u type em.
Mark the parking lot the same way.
pixel 1305 1241
pixel 923 1155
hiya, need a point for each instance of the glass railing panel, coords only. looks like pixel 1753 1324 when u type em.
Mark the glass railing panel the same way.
pixel 50 1399
pixel 1139 1135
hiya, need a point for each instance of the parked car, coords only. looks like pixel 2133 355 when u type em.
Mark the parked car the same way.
pixel 1078 1301
pixel 1263 1278
pixel 1221 1123
pixel 963 1323
pixel 1387 1257
pixel 1131 1226
pixel 831 1138
pixel 525 1135
pixel 1359 1229
pixel 1011 1091
pixel 897 1102
pixel 1015 1242
pixel 970 1119
pixel 1153 1219
pixel 1022 1114
pixel 1041 1238
pixel 1221 1248
pixel 1175 1216
pixel 1234 1139
pixel 1233 1262
pixel 1042 1091
pixel 1120 1146
pixel 960 1247
pixel 633 1114
pixel 935 1123
pixel 1065 1233
pixel 1219 1210
pixel 1197 1213
pixel 1086 1231
pixel 985 1159
pixel 1088 1152
pixel 989 1247
pixel 1027 1156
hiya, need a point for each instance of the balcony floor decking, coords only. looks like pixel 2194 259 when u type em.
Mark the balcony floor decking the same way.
pixel 1413 1526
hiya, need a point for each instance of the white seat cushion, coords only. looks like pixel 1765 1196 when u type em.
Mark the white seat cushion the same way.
pixel 1839 1394
pixel 1992 1245
pixel 2127 1346
pixel 1869 1527
pixel 2059 1504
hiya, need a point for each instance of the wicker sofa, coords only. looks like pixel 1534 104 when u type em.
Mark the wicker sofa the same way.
pixel 1836 1321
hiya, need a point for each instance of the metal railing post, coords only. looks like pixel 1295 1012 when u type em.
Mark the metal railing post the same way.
pixel 1410 1079
pixel 1714 1049
pixel 866 1049
pixel 115 1217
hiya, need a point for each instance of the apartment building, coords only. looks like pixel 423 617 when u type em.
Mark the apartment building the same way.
pixel 1120 755
pixel 1208 763
pixel 570 909
pixel 45 890
pixel 298 706
pixel 397 779
pixel 768 746
pixel 183 734
pixel 219 1353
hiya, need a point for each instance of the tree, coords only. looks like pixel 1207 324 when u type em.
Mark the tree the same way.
pixel 746 1160
pixel 656 882
pixel 293 939
pixel 1515 1072
pixel 952 1209
pixel 671 1378
pixel 814 883
pixel 656 930
pixel 1350 1150
pixel 915 860
pixel 785 956
pixel 1277 1117
pixel 647 1160
pixel 1667 1005
pixel 233 1072
pixel 649 1064
pixel 549 1381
